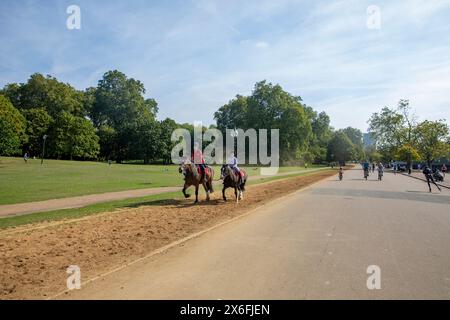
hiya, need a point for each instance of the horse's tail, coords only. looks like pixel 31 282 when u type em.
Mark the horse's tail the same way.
pixel 243 180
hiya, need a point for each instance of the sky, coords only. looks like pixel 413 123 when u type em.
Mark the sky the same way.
pixel 193 56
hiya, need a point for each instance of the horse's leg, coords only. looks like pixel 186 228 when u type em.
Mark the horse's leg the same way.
pixel 196 193
pixel 236 194
pixel 205 186
pixel 223 194
pixel 184 191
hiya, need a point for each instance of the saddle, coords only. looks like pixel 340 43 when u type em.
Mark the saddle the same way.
pixel 240 174
pixel 207 170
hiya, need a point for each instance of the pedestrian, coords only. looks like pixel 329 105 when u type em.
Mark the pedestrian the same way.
pixel 25 157
pixel 380 171
pixel 429 176
pixel 444 169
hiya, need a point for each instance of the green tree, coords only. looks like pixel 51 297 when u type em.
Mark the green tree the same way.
pixel 233 114
pixel 74 137
pixel 432 137
pixel 340 148
pixel 321 134
pixel 120 104
pixel 12 128
pixel 270 107
pixel 356 137
pixel 167 126
pixel 46 92
pixel 393 129
pixel 38 124
pixel 407 153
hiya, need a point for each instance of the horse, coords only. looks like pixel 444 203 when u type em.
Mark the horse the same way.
pixel 193 178
pixel 231 179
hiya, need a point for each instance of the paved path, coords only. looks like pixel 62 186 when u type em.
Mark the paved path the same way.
pixel 82 201
pixel 419 175
pixel 315 243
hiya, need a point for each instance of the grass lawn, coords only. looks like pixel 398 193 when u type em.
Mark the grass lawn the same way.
pixel 26 182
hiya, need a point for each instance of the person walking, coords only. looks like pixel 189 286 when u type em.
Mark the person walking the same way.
pixel 380 171
pixel 429 176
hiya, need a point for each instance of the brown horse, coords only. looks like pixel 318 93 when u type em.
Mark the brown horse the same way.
pixel 193 178
pixel 232 180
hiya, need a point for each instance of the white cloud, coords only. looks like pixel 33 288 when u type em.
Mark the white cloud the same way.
pixel 261 44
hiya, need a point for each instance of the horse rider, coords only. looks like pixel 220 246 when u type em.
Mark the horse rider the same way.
pixel 198 159
pixel 233 163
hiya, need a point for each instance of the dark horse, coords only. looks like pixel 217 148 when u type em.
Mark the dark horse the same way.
pixel 193 178
pixel 231 179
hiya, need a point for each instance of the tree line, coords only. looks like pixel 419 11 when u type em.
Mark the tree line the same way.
pixel 399 136
pixel 114 121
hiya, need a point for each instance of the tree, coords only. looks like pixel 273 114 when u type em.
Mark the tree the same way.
pixel 304 134
pixel 120 104
pixel 74 137
pixel 166 128
pixel 46 92
pixel 340 148
pixel 12 128
pixel 270 107
pixel 373 155
pixel 386 128
pixel 38 124
pixel 393 129
pixel 321 134
pixel 356 137
pixel 407 153
pixel 432 137
pixel 233 114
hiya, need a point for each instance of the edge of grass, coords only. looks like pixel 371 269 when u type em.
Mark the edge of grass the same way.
pixel 111 206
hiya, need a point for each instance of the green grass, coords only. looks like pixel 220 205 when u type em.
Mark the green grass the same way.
pixel 97 208
pixel 26 182
pixel 110 206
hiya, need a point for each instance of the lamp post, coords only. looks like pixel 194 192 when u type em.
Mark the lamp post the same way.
pixel 43 148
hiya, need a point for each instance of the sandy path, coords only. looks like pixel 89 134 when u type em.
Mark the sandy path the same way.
pixel 34 260
pixel 316 243
pixel 82 201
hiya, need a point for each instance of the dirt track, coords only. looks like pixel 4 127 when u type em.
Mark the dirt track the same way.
pixel 34 259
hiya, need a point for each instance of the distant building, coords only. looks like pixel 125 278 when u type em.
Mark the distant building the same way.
pixel 368 140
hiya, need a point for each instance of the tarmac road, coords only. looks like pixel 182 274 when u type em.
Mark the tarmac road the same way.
pixel 314 244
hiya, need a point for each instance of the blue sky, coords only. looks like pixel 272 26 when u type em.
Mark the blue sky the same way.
pixel 194 56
